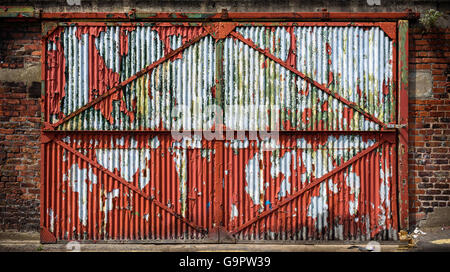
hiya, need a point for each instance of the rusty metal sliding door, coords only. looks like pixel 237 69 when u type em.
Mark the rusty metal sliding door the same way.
pixel 126 107
pixel 111 169
pixel 329 90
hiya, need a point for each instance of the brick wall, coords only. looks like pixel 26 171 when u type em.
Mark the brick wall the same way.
pixel 19 127
pixel 429 123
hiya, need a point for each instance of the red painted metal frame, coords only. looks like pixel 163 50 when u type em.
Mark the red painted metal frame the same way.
pixel 402 97
pixel 44 237
pixel 218 185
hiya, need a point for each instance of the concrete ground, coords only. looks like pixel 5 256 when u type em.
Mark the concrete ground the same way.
pixel 432 239
pixel 437 239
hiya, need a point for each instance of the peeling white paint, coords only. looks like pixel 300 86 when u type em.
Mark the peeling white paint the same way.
pixel 128 162
pixel 306 161
pixel 206 153
pixel 64 155
pixel 133 142
pixel 109 203
pixel 339 231
pixel 234 212
pixel 52 219
pixel 66 140
pixel 120 141
pixel 385 188
pixel 255 180
pixel 154 142
pixel 382 217
pixel 318 208
pixel 179 154
pixel 93 142
pixel 333 187
pixel 353 181
pixel 239 144
pixel 268 144
pixel 79 181
pixel 283 165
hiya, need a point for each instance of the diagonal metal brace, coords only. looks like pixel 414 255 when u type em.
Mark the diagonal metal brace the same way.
pixel 306 78
pixel 130 186
pixel 120 85
pixel 311 185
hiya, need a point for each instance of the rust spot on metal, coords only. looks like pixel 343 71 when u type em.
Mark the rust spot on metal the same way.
pixel 389 28
pixel 167 31
pixel 46 236
pixel 292 54
pixel 219 30
pixel 330 78
pixel 213 91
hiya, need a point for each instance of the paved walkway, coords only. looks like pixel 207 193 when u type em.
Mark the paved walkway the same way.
pixel 426 240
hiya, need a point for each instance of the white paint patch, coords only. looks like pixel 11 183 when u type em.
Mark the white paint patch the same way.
pixel 283 165
pixel 66 139
pixel 318 208
pixel 302 143
pixel 382 217
pixel 255 180
pixel 120 141
pixel 154 142
pixel 188 142
pixel 79 180
pixel 269 144
pixel 133 143
pixel 234 212
pixel 352 180
pixel 64 155
pixel 144 172
pixel 239 144
pixel 109 202
pixel 175 41
pixel 280 48
pixel 206 153
pixel 128 162
pixel 52 219
pixel 307 161
pixel 179 154
pixel 94 142
pixel 385 188
pixel 333 187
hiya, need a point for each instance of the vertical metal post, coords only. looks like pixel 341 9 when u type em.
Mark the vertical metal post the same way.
pixel 403 120
pixel 218 163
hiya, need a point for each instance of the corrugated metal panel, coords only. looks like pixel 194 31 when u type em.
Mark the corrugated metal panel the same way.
pixel 98 58
pixel 354 203
pixel 354 62
pixel 332 176
pixel 83 201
